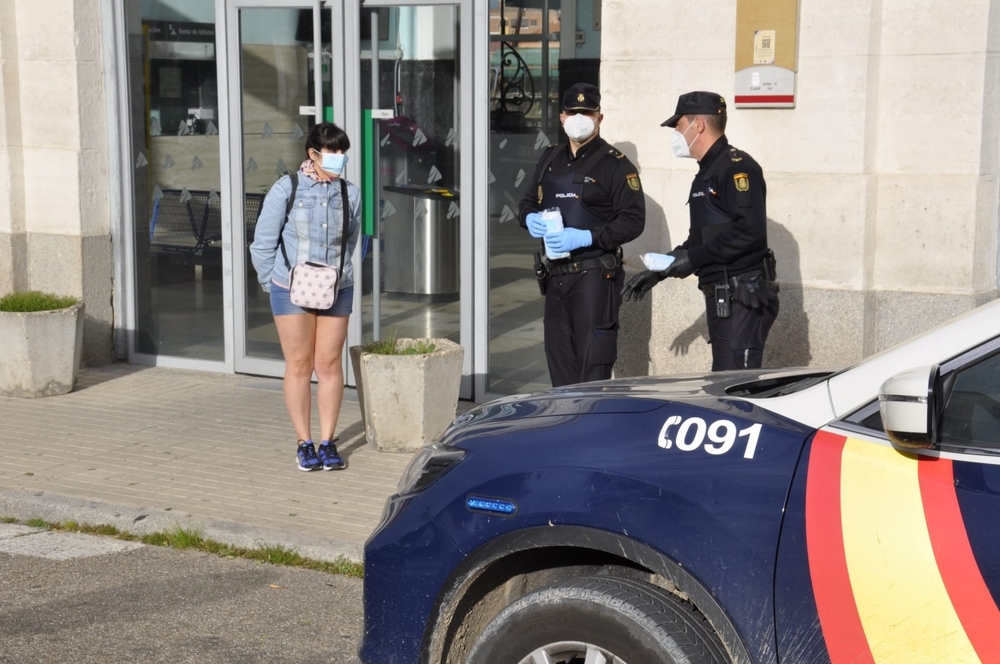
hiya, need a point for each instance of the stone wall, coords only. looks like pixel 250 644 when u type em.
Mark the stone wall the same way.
pixel 882 182
pixel 54 218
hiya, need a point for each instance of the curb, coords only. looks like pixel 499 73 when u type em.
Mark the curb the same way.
pixel 27 505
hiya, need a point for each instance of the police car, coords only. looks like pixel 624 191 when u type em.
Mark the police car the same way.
pixel 764 517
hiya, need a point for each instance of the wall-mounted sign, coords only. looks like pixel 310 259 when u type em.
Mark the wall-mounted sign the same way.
pixel 170 82
pixel 181 31
pixel 763 47
pixel 766 53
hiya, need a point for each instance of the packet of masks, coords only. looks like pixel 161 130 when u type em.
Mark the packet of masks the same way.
pixel 657 262
pixel 553 224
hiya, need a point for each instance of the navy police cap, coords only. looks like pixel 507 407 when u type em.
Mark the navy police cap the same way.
pixel 581 97
pixel 697 103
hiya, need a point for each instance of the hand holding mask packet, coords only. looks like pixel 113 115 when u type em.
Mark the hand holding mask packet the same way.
pixel 657 262
pixel 554 223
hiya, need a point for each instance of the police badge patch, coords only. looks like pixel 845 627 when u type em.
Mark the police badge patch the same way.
pixel 742 182
pixel 633 181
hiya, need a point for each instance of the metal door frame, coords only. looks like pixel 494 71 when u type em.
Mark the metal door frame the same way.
pixel 474 134
pixel 231 166
pixel 345 48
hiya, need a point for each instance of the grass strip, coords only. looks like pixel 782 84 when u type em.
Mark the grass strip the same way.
pixel 179 537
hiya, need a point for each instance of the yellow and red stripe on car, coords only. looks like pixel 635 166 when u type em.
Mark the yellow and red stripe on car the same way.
pixel 892 569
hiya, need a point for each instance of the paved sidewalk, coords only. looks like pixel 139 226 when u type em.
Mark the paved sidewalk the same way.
pixel 145 448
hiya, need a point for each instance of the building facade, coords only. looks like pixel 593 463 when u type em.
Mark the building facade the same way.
pixel 138 139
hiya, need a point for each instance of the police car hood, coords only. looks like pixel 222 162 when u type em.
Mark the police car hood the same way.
pixel 640 395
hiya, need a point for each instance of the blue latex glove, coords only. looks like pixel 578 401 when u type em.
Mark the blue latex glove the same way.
pixel 568 240
pixel 536 226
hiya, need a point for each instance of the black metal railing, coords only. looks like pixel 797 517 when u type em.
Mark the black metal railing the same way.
pixel 512 90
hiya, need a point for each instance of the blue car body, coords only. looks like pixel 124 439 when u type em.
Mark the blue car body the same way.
pixel 802 527
pixel 582 465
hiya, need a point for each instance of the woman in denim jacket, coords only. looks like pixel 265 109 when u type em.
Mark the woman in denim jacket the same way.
pixel 311 339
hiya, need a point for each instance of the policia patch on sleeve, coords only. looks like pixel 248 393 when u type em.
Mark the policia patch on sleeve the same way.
pixel 633 181
pixel 742 182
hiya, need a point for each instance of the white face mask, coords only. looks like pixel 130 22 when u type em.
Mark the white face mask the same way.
pixel 679 144
pixel 579 127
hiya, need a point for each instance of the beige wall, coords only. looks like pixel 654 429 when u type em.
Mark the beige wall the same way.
pixel 54 214
pixel 882 182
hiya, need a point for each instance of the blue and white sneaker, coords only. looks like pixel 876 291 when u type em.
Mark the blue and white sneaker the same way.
pixel 329 456
pixel 307 457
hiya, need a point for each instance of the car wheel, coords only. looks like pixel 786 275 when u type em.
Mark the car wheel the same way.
pixel 598 620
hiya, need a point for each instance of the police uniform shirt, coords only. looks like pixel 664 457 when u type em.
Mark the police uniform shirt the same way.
pixel 611 190
pixel 733 183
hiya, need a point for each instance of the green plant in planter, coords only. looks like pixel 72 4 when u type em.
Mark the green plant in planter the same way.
pixel 31 301
pixel 407 389
pixel 42 340
pixel 390 347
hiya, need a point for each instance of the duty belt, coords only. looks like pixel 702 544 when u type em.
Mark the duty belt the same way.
pixel 606 261
pixel 733 282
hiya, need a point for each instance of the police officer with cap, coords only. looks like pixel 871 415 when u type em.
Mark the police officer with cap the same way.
pixel 727 242
pixel 598 192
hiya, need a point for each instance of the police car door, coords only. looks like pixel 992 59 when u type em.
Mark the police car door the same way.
pixel 893 556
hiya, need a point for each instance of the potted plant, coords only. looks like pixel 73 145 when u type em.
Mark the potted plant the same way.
pixel 407 390
pixel 42 337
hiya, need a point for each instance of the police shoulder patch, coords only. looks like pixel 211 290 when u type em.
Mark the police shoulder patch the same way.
pixel 742 182
pixel 633 181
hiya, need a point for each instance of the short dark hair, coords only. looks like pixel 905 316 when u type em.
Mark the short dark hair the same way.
pixel 716 123
pixel 327 136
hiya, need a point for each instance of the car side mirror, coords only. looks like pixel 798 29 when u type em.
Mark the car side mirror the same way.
pixel 908 404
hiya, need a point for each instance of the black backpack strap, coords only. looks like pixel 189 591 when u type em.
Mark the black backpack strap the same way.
pixel 581 172
pixel 294 177
pixel 346 211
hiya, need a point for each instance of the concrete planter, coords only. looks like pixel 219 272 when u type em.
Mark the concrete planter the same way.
pixel 40 352
pixel 407 400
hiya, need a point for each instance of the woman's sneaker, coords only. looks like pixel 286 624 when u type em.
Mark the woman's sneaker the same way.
pixel 307 457
pixel 330 458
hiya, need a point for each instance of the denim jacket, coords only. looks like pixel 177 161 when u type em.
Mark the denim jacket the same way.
pixel 313 232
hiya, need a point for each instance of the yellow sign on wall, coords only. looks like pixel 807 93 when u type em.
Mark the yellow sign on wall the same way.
pixel 766 53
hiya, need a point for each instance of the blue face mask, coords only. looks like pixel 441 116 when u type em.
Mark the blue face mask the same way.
pixel 334 163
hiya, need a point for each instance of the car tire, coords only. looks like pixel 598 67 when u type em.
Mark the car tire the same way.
pixel 625 621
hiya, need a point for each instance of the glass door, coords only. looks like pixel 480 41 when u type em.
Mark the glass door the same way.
pixel 176 290
pixel 400 76
pixel 277 79
pixel 537 49
pixel 415 87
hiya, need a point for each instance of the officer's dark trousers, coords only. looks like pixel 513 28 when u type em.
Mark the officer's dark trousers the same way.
pixel 581 325
pixel 738 341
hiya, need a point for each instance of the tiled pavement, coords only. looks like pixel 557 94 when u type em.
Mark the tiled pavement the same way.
pixel 147 448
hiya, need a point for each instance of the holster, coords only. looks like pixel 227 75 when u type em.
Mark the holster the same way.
pixel 770 267
pixel 610 263
pixel 541 273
